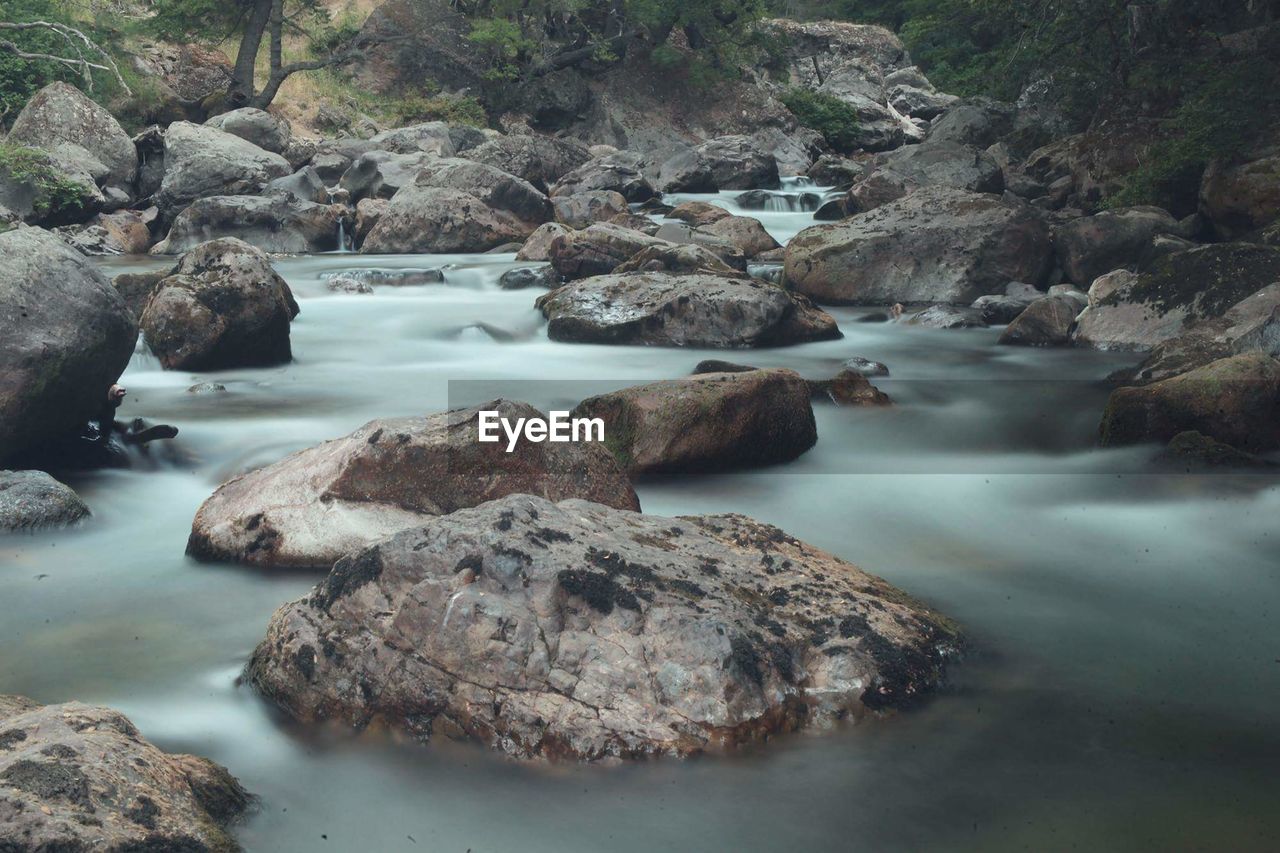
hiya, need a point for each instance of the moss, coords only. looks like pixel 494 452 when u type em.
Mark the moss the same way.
pixel 597 589
pixel 1205 282
pixel 55 193
pixel 348 575
pixel 836 120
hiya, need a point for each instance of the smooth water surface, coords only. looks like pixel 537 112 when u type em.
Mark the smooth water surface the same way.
pixel 1123 685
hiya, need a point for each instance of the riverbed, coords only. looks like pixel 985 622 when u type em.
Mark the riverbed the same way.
pixel 1121 691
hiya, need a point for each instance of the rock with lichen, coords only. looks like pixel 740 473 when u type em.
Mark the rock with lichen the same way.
pixel 577 631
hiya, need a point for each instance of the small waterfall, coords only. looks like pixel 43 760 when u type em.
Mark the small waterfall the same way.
pixel 779 203
pixel 344 247
pixel 796 182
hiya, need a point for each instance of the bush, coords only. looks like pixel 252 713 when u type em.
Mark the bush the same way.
pixel 830 116
pixel 55 193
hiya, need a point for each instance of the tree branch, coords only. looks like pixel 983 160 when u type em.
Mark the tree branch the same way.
pixel 74 38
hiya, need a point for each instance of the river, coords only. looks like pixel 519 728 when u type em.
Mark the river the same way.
pixel 1122 689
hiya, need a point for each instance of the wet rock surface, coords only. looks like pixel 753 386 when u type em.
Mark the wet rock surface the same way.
pixel 315 506
pixel 577 631
pixel 32 500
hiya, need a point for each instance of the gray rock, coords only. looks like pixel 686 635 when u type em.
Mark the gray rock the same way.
pixel 428 219
pixel 525 277
pixel 274 223
pixel 735 162
pixel 381 174
pixel 934 163
pixel 222 306
pixel 948 317
pixel 304 185
pixel 697 310
pixel 540 160
pixel 32 500
pixel 1046 322
pixel 81 777
pixel 538 246
pixel 204 161
pixel 268 132
pixel 311 508
pixel 68 336
pixel 618 172
pixel 939 244
pixel 866 366
pixel 61 114
pixel 576 631
pixel 979 122
pixel 582 209
pixel 1093 245
pixel 432 137
pixel 595 250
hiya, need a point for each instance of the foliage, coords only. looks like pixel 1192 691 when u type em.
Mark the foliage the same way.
pixel 54 191
pixel 416 108
pixel 21 78
pixel 836 120
pixel 503 44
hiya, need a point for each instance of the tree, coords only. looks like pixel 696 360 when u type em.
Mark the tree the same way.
pixel 259 21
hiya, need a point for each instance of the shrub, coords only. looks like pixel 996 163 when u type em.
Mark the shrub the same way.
pixel 55 193
pixel 827 114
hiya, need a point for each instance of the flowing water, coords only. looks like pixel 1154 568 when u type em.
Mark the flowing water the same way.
pixel 1122 689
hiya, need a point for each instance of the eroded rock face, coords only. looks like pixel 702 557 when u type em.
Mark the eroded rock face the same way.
pixel 696 310
pixel 939 244
pixel 81 777
pixel 1233 400
pixel 577 631
pixel 222 306
pixel 315 506
pixel 60 114
pixel 203 161
pixel 31 500
pixel 273 223
pixel 67 336
pixel 708 422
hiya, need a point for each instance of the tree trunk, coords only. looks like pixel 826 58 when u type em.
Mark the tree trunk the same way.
pixel 241 91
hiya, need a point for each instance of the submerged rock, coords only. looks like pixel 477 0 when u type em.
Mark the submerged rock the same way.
pixel 939 244
pixel 697 310
pixel 222 306
pixel 311 508
pixel 708 422
pixel 1194 451
pixel 577 631
pixel 81 777
pixel 67 336
pixel 31 500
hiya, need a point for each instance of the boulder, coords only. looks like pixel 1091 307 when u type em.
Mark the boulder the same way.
pixel 939 244
pixel 850 387
pixel 427 219
pixel 538 246
pixel 67 337
pixel 60 114
pixel 618 172
pixel 304 185
pixel 41 188
pixel 676 258
pixel 948 317
pixel 431 137
pixel 744 232
pixel 934 163
pixel 581 209
pixel 273 223
pixel 313 507
pixel 81 777
pixel 540 160
pixel 1046 322
pixel 696 310
pixel 499 190
pixel 1093 245
pixel 832 170
pixel 381 174
pixel 596 250
pixel 580 632
pixel 268 132
pixel 524 277
pixel 32 500
pixel 135 288
pixel 1240 198
pixel 1002 308
pixel 734 162
pixel 1177 292
pixel 679 232
pixel 698 213
pixel 919 102
pixel 124 232
pixel 222 306
pixel 979 122
pixel 369 213
pixel 1233 400
pixel 204 161
pixel 708 422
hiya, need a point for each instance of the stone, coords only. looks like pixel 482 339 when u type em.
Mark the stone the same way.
pixel 744 232
pixel 1046 322
pixel 204 161
pixel 618 172
pixel 580 632
pixel 279 224
pixel 1093 245
pixel 60 114
pixel 734 162
pixel 222 306
pixel 317 505
pixel 596 250
pixel 32 500
pixel 268 132
pixel 947 317
pixel 538 246
pixel 708 422
pixel 697 310
pixel 582 209
pixel 539 160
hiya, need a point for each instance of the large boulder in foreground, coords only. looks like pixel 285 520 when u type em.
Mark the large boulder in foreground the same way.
pixel 1234 400
pixel 576 631
pixel 938 244
pixel 1137 313
pixel 708 422
pixel 274 223
pixel 67 336
pixel 222 306
pixel 203 161
pixel 315 506
pixel 692 310
pixel 81 777
pixel 60 114
pixel 32 500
